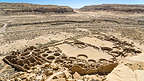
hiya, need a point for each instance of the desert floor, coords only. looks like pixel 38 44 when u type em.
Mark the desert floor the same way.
pixel 115 38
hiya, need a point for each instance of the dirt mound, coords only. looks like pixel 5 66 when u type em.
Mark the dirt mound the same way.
pixel 19 8
pixel 114 7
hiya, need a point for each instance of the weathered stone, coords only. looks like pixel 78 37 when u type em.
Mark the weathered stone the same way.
pixel 54 66
pixel 25 61
pixel 106 68
pixel 78 69
pixel 48 72
pixel 68 75
pixel 77 76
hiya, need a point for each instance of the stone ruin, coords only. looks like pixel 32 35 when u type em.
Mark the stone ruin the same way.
pixel 32 56
pixel 48 60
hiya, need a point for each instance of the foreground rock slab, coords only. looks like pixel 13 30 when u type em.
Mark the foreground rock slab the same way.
pixel 131 70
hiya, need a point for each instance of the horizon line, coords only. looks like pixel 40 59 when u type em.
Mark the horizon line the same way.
pixel 74 7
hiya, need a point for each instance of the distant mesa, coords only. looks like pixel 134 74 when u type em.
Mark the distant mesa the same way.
pixel 114 7
pixel 22 8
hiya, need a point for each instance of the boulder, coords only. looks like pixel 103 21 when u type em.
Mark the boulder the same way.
pixel 78 69
pixel 106 68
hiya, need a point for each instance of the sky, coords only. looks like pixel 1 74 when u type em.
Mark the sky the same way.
pixel 76 3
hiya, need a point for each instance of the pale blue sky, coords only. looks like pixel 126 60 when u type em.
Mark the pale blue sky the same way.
pixel 76 3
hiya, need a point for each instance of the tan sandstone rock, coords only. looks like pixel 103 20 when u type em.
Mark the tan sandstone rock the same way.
pixel 130 70
pixel 77 76
pixel 121 73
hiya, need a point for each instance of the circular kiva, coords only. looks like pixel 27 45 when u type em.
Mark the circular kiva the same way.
pixel 50 57
pixel 91 61
pixel 103 60
pixel 72 58
pixel 31 48
pixel 15 53
pixel 64 57
pixel 57 54
pixel 59 61
pixel 106 48
pixel 22 57
pixel 49 51
pixel 35 53
pixel 79 43
pixel 46 49
pixel 44 54
pixel 36 50
pixel 25 53
pixel 82 56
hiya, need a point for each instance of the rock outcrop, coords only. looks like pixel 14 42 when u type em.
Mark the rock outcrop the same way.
pixel 23 8
pixel 114 7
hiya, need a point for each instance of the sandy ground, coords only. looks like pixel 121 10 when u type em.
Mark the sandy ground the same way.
pixel 23 36
pixel 21 44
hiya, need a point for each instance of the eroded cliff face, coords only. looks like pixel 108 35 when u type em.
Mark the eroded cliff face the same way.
pixel 22 8
pixel 114 7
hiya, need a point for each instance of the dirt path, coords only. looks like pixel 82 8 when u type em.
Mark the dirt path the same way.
pixel 3 29
pixel 2 32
